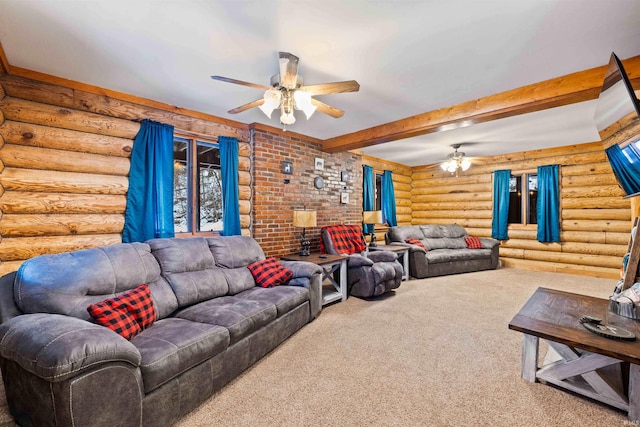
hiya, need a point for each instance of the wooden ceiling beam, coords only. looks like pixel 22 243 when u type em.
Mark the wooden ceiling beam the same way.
pixel 4 64
pixel 571 88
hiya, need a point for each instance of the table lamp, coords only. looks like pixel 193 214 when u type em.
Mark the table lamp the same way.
pixel 372 217
pixel 304 218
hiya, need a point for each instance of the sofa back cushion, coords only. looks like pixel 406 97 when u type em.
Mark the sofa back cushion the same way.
pixel 189 268
pixel 233 254
pixel 445 243
pixel 67 283
pixel 404 232
pixel 453 231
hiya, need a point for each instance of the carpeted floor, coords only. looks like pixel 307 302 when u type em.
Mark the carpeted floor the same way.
pixel 437 352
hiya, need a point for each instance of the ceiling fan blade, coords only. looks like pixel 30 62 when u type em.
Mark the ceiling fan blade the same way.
pixel 327 109
pixel 245 107
pixel 288 70
pixel 335 87
pixel 240 82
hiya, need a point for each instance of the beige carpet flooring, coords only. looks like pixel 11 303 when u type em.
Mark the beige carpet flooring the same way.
pixel 437 352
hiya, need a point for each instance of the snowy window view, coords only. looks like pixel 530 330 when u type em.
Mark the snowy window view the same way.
pixel 520 206
pixel 197 186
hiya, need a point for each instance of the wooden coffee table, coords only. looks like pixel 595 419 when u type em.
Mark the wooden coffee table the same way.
pixel 579 360
pixel 329 264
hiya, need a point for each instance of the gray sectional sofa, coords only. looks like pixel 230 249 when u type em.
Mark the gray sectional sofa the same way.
pixel 61 369
pixel 446 250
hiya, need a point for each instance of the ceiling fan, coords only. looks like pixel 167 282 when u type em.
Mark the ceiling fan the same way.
pixel 288 93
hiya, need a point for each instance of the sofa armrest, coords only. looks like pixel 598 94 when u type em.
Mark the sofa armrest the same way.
pixel 489 243
pixel 356 261
pixel 308 275
pixel 56 347
pixel 382 256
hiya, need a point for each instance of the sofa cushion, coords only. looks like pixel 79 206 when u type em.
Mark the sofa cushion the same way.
pixel 451 255
pixel 404 232
pixel 473 242
pixel 432 231
pixel 285 298
pixel 127 314
pixel 269 273
pixel 189 267
pixel 172 346
pixel 89 276
pixel 445 243
pixel 453 230
pixel 239 315
pixel 234 251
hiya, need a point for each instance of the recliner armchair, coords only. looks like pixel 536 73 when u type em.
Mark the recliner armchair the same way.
pixel 368 273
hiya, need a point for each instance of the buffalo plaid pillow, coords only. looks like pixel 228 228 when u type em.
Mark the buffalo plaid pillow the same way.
pixel 269 273
pixel 473 242
pixel 417 242
pixel 128 313
pixel 346 239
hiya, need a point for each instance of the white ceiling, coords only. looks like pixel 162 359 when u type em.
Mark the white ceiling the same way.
pixel 409 57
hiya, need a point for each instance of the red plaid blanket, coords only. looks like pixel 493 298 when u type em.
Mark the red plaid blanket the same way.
pixel 347 239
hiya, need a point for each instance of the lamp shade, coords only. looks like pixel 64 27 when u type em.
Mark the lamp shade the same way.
pixel 372 217
pixel 304 218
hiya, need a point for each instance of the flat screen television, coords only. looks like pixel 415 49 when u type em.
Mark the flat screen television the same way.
pixel 617 99
pixel 618 105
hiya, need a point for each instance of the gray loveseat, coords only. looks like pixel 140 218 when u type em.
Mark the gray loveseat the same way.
pixel 59 368
pixel 446 250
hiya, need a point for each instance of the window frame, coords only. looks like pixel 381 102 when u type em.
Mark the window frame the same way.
pixel 192 181
pixel 525 202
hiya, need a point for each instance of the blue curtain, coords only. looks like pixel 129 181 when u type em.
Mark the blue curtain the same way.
pixel 500 218
pixel 229 169
pixel 149 211
pixel 388 199
pixel 368 194
pixel 548 205
pixel 626 167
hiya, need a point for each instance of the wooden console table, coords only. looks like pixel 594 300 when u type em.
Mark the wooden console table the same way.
pixel 579 360
pixel 329 264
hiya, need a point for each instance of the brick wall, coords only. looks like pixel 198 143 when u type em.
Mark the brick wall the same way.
pixel 274 200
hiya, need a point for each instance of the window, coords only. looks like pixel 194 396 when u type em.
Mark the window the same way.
pixel 522 210
pixel 197 186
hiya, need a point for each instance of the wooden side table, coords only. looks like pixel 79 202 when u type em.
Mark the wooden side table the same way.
pixel 398 249
pixel 329 264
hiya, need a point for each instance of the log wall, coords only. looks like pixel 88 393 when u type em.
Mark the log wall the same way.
pixel 595 219
pixel 401 186
pixel 64 167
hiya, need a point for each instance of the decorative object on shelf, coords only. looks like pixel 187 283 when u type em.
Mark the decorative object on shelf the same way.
pixel 344 198
pixel 288 93
pixel 304 218
pixel 318 183
pixel 456 161
pixel 372 217
pixel 319 164
pixel 287 168
pixel 345 177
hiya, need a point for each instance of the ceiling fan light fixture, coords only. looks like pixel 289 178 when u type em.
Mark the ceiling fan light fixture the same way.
pixel 272 99
pixel 456 160
pixel 287 118
pixel 303 102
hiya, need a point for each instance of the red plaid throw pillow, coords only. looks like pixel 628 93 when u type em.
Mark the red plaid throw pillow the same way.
pixel 417 242
pixel 128 313
pixel 473 242
pixel 269 273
